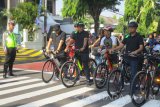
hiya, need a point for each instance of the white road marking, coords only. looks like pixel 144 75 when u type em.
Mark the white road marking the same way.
pixel 18 83
pixel 152 103
pixel 13 79
pixel 119 102
pixel 88 100
pixel 56 98
pixel 22 88
pixel 30 95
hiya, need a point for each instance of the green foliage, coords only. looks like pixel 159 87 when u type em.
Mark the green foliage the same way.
pixel 3 21
pixel 101 20
pixel 77 9
pixel 122 26
pixel 132 8
pixel 24 14
pixel 115 17
pixel 28 14
pixel 145 12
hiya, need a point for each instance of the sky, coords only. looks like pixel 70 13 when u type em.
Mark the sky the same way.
pixel 59 5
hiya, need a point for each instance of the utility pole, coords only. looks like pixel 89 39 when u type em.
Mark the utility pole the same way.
pixel 45 23
pixel 8 10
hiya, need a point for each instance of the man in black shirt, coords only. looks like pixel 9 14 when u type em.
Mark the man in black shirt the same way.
pixel 57 39
pixel 80 38
pixel 134 45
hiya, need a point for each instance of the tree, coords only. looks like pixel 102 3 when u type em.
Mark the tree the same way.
pixel 121 26
pixel 24 14
pixel 132 8
pixel 145 12
pixel 77 9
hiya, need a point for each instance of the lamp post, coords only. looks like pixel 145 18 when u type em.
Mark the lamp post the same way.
pixel 45 23
pixel 8 9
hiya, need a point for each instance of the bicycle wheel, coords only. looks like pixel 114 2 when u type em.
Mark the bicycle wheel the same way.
pixel 115 84
pixel 47 71
pixel 140 88
pixel 100 76
pixel 92 66
pixel 69 74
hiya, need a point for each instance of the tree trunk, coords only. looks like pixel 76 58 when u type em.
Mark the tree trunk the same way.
pixel 96 24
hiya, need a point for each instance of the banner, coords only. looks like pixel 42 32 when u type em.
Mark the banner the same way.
pixel 39 7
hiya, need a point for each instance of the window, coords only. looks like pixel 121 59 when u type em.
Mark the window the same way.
pixel 49 6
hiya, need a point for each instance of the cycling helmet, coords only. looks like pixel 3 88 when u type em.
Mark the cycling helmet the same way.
pixel 75 24
pixel 80 24
pixel 108 28
pixel 133 24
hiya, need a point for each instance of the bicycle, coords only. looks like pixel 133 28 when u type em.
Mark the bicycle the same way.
pixel 103 70
pixel 143 82
pixel 73 69
pixel 118 77
pixel 50 68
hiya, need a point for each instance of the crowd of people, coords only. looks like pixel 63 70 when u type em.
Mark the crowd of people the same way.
pixel 134 43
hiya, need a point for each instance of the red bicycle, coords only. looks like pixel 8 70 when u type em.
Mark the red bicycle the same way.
pixel 103 70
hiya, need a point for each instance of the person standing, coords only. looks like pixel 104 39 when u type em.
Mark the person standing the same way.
pixel 9 45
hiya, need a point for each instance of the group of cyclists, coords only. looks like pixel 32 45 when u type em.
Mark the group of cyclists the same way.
pixel 132 45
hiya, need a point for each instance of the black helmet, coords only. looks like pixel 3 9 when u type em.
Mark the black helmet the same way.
pixel 80 24
pixel 133 24
pixel 56 27
pixel 75 24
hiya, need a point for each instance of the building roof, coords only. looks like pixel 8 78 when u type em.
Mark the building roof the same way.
pixel 109 20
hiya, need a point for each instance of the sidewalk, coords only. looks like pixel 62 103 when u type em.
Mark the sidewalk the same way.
pixel 24 55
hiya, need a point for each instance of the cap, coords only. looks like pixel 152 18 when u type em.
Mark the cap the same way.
pixel 56 27
pixel 11 22
pixel 133 24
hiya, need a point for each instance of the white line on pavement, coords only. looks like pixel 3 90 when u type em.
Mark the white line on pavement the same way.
pixel 30 94
pixel 119 102
pixel 152 103
pixel 88 100
pixel 56 98
pixel 18 83
pixel 23 88
pixel 13 79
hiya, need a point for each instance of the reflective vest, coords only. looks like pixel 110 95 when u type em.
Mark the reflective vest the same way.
pixel 11 41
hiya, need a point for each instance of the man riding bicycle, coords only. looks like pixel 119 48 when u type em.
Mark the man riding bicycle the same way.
pixel 80 39
pixel 57 39
pixel 134 45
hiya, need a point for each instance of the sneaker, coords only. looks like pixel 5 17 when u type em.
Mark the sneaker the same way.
pixel 55 78
pixel 11 74
pixel 89 82
pixel 4 76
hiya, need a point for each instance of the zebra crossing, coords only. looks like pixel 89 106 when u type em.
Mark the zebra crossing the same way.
pixel 30 91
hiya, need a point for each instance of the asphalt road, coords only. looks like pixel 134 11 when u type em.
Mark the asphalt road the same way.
pixel 28 90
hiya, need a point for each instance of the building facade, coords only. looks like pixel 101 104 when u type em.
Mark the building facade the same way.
pixel 51 4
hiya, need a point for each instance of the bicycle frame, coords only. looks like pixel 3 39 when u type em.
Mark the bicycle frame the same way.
pixel 77 62
pixel 110 66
